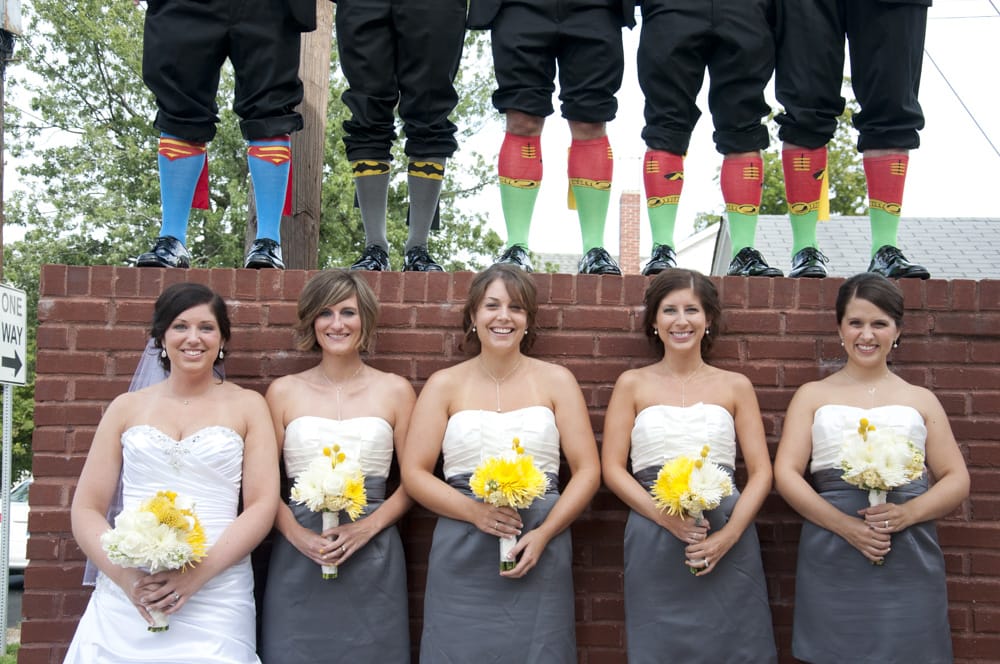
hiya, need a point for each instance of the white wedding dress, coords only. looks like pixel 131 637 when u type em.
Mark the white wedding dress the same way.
pixel 216 624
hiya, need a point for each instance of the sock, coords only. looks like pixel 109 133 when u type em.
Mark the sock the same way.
pixel 520 170
pixel 180 163
pixel 886 177
pixel 663 175
pixel 371 184
pixel 270 160
pixel 424 177
pixel 742 181
pixel 591 164
pixel 804 170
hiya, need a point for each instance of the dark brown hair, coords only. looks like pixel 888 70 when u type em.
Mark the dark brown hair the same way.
pixel 673 279
pixel 178 298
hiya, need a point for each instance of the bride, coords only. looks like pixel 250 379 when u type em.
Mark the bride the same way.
pixel 203 438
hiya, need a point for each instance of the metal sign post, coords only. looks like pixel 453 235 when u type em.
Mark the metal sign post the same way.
pixel 13 354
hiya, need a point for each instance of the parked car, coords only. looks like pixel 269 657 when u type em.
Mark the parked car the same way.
pixel 19 525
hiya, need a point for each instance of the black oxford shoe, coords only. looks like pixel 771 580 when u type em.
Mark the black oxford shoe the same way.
pixel 890 262
pixel 598 261
pixel 264 253
pixel 373 259
pixel 167 251
pixel 418 260
pixel 516 255
pixel 662 257
pixel 809 262
pixel 749 263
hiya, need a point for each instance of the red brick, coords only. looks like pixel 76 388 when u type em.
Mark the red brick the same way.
pixel 415 287
pixel 808 322
pixel 976 647
pixel 52 280
pixel 52 335
pixel 446 316
pixel 968 377
pixel 48 388
pixel 983 454
pixel 964 325
pixel 596 634
pixel 986 619
pixel 393 341
pixel 596 318
pixel 48 631
pixel 35 654
pixel 586 288
pixel 68 413
pixel 989 294
pixel 293 283
pixel 562 289
pixel 64 362
pixel 611 291
pixel 784 349
pixel 78 309
pixel 985 351
pixel 565 344
pixel 930 351
pixel 106 338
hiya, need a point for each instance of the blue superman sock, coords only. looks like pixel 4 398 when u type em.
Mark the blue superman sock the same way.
pixel 270 161
pixel 180 163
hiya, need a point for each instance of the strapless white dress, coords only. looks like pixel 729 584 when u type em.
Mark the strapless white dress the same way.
pixel 471 613
pixel 216 624
pixel 847 609
pixel 720 618
pixel 364 611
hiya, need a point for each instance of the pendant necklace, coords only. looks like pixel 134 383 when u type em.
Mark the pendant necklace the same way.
pixel 340 386
pixel 498 381
pixel 684 381
pixel 870 388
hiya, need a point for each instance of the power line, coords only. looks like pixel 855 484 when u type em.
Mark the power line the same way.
pixel 961 101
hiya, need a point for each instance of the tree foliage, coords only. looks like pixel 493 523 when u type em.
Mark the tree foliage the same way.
pixel 84 149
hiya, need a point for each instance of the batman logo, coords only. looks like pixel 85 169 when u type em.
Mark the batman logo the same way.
pixel 365 167
pixel 430 170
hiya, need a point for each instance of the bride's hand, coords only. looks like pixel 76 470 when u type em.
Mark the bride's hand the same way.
pixel 347 539
pixel 135 584
pixel 887 518
pixel 169 591
pixel 498 521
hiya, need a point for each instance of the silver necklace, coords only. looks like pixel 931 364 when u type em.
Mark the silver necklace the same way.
pixel 870 388
pixel 340 386
pixel 684 381
pixel 498 381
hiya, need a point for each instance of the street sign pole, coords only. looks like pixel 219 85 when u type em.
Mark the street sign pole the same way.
pixel 13 356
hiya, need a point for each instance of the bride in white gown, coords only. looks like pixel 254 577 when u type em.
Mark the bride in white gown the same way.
pixel 206 439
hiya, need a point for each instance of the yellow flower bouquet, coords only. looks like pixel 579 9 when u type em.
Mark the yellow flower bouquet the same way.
pixel 879 460
pixel 691 487
pixel 330 484
pixel 509 480
pixel 162 533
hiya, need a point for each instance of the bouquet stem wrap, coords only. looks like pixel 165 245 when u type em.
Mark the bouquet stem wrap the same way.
pixel 330 520
pixel 507 561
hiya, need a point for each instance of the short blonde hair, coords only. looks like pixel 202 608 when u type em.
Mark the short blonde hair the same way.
pixel 326 289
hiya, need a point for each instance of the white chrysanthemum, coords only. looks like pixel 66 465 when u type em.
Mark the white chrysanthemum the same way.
pixel 707 486
pixel 324 486
pixel 879 459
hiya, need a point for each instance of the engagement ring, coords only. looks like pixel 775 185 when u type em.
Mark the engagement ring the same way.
pixel 177 598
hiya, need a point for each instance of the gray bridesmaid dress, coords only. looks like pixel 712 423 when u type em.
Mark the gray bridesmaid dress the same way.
pixel 361 616
pixel 670 614
pixel 471 613
pixel 847 609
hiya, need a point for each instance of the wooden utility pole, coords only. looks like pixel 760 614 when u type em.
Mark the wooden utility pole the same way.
pixel 300 231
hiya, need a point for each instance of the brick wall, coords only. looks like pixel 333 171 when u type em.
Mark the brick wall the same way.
pixel 629 218
pixel 780 333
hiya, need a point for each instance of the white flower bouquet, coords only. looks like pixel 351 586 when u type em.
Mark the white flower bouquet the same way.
pixel 330 484
pixel 879 460
pixel 509 480
pixel 162 533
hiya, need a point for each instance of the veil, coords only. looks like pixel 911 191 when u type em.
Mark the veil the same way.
pixel 148 372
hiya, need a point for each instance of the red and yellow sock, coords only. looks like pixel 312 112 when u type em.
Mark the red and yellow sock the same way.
pixel 520 171
pixel 742 181
pixel 591 165
pixel 663 177
pixel 886 176
pixel 804 170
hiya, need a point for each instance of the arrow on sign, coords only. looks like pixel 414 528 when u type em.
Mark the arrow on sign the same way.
pixel 12 363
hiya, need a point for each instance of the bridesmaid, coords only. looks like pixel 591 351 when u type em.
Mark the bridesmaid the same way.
pixel 848 609
pixel 363 612
pixel 472 611
pixel 669 409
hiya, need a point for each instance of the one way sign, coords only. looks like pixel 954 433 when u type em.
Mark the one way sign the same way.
pixel 13 335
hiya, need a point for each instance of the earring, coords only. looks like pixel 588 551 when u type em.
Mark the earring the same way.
pixel 222 354
pixel 473 329
pixel 841 343
pixel 895 343
pixel 656 332
pixel 708 331
pixel 163 353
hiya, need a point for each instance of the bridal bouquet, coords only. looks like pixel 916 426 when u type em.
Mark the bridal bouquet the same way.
pixel 878 460
pixel 509 480
pixel 162 533
pixel 686 486
pixel 330 484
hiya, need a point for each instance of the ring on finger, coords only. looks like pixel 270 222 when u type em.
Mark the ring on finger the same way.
pixel 343 549
pixel 887 523
pixel 176 597
pixel 707 563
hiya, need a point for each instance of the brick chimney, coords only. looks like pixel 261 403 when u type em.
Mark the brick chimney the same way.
pixel 630 209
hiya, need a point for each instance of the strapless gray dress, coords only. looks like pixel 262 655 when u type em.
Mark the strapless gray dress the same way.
pixel 670 614
pixel 362 615
pixel 847 609
pixel 471 613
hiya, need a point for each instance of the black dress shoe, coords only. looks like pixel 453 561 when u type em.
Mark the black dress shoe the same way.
pixel 167 251
pixel 598 261
pixel 663 257
pixel 809 262
pixel 264 253
pixel 373 259
pixel 749 263
pixel 418 260
pixel 890 262
pixel 516 255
